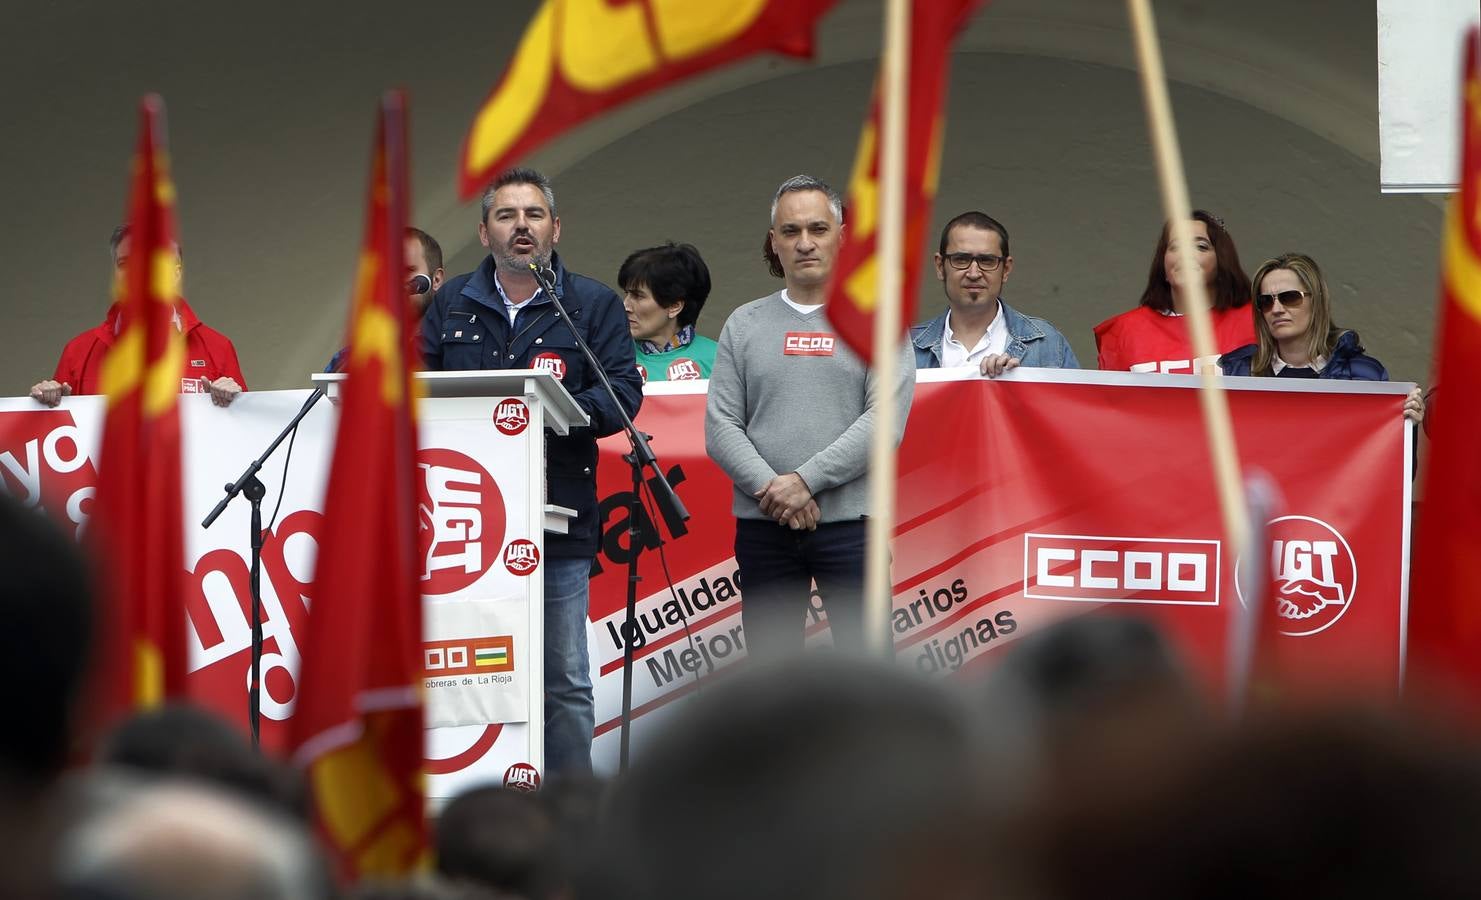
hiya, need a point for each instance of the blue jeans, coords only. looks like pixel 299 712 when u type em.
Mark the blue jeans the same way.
pixel 777 567
pixel 570 710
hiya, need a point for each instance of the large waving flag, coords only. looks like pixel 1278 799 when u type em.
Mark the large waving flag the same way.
pixel 579 58
pixel 357 730
pixel 1444 615
pixel 852 296
pixel 135 525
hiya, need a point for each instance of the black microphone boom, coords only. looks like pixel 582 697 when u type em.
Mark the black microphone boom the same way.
pixel 663 493
pixel 251 487
pixel 671 508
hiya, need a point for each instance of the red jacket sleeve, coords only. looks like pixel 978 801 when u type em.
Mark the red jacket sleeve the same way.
pixel 230 367
pixel 73 360
pixel 222 354
pixel 66 372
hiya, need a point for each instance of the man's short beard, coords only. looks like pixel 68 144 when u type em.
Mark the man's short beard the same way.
pixel 517 264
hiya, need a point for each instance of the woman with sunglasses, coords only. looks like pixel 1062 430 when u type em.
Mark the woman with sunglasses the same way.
pixel 1295 336
pixel 1153 337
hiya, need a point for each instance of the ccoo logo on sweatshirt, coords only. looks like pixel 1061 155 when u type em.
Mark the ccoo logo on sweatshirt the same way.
pixel 808 343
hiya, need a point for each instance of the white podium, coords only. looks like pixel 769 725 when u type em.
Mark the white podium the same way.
pixel 483 514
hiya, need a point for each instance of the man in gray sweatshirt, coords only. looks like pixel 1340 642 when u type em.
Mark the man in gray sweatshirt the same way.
pixel 789 419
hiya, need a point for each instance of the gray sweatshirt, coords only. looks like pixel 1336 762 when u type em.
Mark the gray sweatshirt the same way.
pixel 787 396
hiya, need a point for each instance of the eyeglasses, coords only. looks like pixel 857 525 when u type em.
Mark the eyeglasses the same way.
pixel 987 262
pixel 1288 299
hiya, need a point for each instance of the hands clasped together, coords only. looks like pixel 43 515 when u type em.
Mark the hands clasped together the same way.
pixel 787 499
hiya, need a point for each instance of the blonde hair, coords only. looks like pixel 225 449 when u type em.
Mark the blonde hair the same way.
pixel 1321 333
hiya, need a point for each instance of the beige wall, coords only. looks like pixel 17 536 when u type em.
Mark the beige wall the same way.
pixel 271 110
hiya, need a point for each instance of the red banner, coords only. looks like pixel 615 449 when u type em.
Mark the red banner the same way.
pixel 1100 478
pixel 1025 501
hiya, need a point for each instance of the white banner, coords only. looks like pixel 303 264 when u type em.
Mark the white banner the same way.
pixel 481 556
pixel 1420 52
pixel 472 647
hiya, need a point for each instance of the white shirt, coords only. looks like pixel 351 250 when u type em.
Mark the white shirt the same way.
pixel 994 340
pixel 1277 364
pixel 510 307
pixel 798 306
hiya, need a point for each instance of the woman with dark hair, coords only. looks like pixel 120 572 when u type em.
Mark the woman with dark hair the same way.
pixel 663 290
pixel 1295 336
pixel 1153 337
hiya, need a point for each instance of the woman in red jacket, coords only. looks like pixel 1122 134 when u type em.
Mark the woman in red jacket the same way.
pixel 1153 337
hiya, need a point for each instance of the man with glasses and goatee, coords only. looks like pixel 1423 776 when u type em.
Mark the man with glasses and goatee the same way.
pixel 978 328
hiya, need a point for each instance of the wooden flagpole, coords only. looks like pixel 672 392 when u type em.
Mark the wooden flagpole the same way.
pixel 889 246
pixel 1179 209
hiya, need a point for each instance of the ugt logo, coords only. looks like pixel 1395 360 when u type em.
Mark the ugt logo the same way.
pixel 522 777
pixel 552 363
pixel 511 416
pixel 461 516
pixel 521 557
pixel 684 369
pixel 1313 574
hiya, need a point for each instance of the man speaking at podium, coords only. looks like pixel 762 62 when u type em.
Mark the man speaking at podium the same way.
pixel 497 317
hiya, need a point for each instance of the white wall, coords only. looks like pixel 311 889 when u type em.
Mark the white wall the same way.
pixel 1420 59
pixel 272 104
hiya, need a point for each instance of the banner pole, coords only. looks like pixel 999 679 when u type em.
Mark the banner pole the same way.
pixel 1178 209
pixel 878 592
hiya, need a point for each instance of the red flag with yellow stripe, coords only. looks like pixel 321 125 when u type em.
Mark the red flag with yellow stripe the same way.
pixel 853 293
pixel 1444 615
pixel 579 58
pixel 357 728
pixel 135 525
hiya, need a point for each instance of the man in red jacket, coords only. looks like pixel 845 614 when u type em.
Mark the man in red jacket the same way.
pixel 210 360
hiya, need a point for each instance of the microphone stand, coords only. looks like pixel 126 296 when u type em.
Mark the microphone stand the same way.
pixel 253 489
pixel 670 507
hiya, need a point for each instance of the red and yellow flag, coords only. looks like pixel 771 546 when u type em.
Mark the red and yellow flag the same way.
pixel 136 519
pixel 357 729
pixel 1444 615
pixel 852 296
pixel 579 58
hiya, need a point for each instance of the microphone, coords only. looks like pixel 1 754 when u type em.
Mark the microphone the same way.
pixel 418 284
pixel 543 275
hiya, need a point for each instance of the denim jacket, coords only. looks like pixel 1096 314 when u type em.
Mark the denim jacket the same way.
pixel 1033 341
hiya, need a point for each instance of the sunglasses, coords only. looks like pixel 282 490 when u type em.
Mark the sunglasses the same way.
pixel 1288 299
